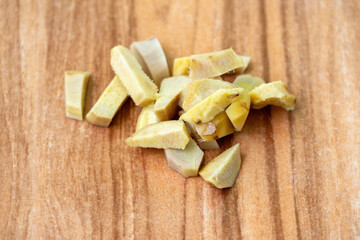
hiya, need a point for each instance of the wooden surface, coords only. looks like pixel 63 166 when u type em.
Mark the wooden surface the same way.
pixel 65 179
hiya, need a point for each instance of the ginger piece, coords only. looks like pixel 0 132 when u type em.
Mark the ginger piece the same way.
pixel 208 108
pixel 214 64
pixel 223 170
pixel 239 110
pixel 204 145
pixel 217 128
pixel 75 88
pixel 246 61
pixel 109 103
pixel 151 57
pixel 198 90
pixel 139 86
pixel 166 105
pixel 274 93
pixel 181 66
pixel 146 117
pixel 208 145
pixel 248 82
pixel 186 162
pixel 167 134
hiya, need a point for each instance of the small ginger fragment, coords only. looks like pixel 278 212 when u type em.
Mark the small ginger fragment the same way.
pixel 218 127
pixel 139 86
pixel 146 117
pixel 248 82
pixel 239 110
pixel 274 93
pixel 75 88
pixel 203 144
pixel 108 105
pixel 223 170
pixel 246 61
pixel 198 90
pixel 208 145
pixel 187 161
pixel 214 64
pixel 212 105
pixel 181 66
pixel 151 57
pixel 167 134
pixel 166 105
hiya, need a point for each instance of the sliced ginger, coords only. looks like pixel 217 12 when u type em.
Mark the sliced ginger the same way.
pixel 108 105
pixel 187 161
pixel 248 82
pixel 75 88
pixel 246 61
pixel 222 171
pixel 198 90
pixel 208 145
pixel 167 134
pixel 218 127
pixel 151 57
pixel 239 110
pixel 140 87
pixel 214 64
pixel 208 108
pixel 274 93
pixel 181 66
pixel 203 144
pixel 166 105
pixel 146 117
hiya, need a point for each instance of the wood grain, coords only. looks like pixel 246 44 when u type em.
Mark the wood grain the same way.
pixel 65 179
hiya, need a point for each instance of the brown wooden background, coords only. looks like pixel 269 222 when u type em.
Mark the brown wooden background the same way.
pixel 65 179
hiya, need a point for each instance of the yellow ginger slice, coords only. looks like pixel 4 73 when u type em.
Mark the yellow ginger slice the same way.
pixel 214 64
pixel 146 117
pixel 166 105
pixel 274 93
pixel 223 170
pixel 167 134
pixel 152 59
pixel 205 145
pixel 246 61
pixel 75 88
pixel 248 82
pixel 108 105
pixel 208 108
pixel 208 145
pixel 219 127
pixel 186 162
pixel 239 110
pixel 140 87
pixel 198 90
pixel 181 66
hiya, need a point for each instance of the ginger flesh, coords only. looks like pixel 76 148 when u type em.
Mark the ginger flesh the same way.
pixel 167 134
pixel 140 87
pixel 75 87
pixel 223 170
pixel 187 161
pixel 214 64
pixel 274 93
pixel 108 104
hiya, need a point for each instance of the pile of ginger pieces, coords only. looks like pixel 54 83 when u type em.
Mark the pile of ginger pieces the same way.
pixel 211 108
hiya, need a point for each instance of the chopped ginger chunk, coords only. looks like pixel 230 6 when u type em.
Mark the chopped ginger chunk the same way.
pixel 108 105
pixel 75 87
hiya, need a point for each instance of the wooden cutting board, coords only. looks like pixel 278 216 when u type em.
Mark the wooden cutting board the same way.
pixel 65 179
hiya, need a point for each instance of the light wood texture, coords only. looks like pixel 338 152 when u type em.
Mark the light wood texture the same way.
pixel 65 179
